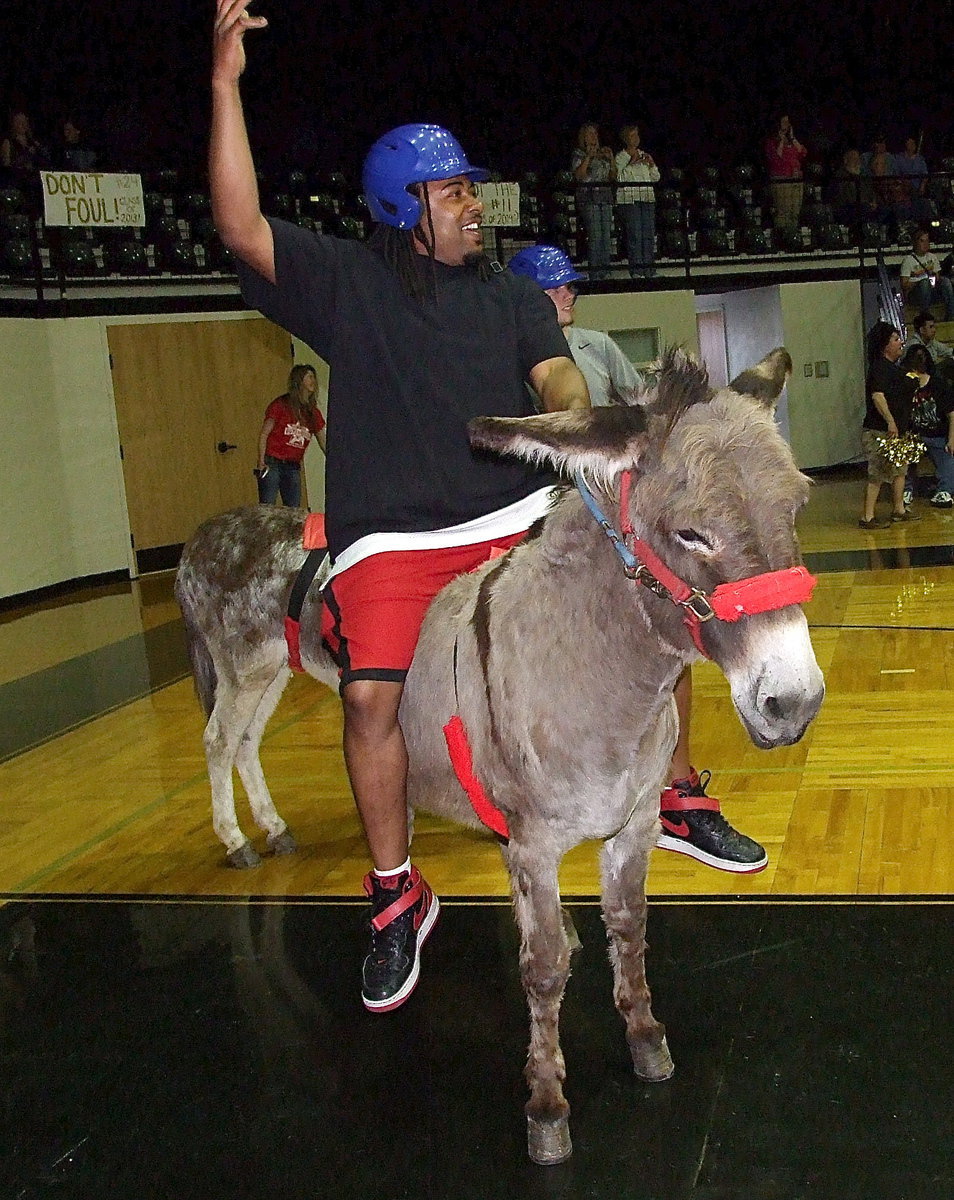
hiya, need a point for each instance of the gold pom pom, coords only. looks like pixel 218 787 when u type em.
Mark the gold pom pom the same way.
pixel 901 450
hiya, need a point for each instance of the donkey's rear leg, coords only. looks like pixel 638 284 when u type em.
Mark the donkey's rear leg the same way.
pixel 279 839
pixel 236 702
pixel 624 863
pixel 544 969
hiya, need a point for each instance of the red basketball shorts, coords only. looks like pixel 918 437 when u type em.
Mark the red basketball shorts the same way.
pixel 373 611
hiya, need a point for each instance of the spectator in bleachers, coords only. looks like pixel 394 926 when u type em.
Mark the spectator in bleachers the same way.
pixel 22 154
pixel 932 419
pixel 852 193
pixel 922 283
pixel 637 205
pixel 913 204
pixel 880 165
pixel 925 334
pixel 595 164
pixel 785 155
pixel 71 149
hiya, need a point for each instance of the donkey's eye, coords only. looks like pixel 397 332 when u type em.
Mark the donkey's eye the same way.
pixel 692 539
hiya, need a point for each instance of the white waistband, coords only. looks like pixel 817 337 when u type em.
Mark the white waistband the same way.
pixel 501 523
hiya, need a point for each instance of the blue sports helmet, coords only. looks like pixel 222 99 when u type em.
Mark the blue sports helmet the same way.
pixel 547 266
pixel 406 155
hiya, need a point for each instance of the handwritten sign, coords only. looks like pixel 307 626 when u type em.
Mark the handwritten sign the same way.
pixel 92 198
pixel 501 203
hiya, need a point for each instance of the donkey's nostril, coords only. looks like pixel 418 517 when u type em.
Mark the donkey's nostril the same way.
pixel 772 707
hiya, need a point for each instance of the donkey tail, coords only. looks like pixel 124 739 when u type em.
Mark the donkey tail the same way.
pixel 203 668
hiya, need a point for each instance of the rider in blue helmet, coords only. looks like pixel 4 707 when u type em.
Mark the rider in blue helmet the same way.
pixel 420 335
pixel 406 156
pixel 548 266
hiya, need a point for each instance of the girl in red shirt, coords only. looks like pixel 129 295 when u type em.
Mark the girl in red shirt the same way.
pixel 291 421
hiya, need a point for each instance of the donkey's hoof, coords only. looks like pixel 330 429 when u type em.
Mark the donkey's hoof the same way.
pixel 281 843
pixel 652 1061
pixel 548 1142
pixel 245 856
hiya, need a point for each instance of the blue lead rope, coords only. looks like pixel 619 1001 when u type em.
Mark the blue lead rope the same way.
pixel 630 561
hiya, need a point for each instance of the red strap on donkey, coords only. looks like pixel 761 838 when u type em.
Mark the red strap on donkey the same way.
pixel 458 747
pixel 729 601
pixel 316 543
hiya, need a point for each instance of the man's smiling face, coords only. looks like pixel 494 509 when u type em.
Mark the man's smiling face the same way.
pixel 456 213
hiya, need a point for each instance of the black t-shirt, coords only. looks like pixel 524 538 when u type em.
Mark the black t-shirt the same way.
pixel 405 378
pixel 898 389
pixel 931 407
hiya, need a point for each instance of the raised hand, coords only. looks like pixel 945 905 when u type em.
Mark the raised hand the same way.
pixel 232 20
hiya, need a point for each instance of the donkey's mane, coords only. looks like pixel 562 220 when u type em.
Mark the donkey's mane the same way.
pixel 682 383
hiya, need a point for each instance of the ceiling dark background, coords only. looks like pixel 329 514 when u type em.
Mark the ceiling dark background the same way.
pixel 513 80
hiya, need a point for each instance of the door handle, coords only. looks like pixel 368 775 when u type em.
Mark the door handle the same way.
pixel 223 447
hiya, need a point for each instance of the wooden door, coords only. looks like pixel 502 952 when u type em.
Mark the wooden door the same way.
pixel 190 398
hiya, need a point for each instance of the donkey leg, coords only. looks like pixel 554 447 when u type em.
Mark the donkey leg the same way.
pixel 236 702
pixel 280 839
pixel 544 969
pixel 624 862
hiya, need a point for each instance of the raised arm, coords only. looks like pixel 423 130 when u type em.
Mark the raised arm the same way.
pixel 560 384
pixel 234 188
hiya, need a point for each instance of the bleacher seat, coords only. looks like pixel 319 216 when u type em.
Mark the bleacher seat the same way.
pixel 674 177
pixel 280 204
pixel 12 200
pixel 874 234
pixel 708 197
pixel 713 218
pixel 750 217
pixel 670 217
pixel 669 197
pixel 716 242
pixel 194 205
pixel 14 225
pixel 78 260
pixel 297 183
pixel 674 243
pixel 126 257
pixel 817 215
pixel 756 240
pixel 167 181
pixel 352 227
pixel 178 258
pixel 832 237
pixel 16 257
pixel 219 257
pixel 790 239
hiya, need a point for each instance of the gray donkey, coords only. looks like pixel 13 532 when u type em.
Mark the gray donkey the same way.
pixel 560 658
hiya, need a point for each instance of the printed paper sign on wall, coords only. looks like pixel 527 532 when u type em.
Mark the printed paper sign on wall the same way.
pixel 501 203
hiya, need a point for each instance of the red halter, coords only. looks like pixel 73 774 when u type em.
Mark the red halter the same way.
pixel 729 601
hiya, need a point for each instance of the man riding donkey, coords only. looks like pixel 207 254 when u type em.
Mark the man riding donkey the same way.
pixel 421 333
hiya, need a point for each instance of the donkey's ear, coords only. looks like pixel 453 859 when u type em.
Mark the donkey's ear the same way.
pixel 764 381
pixel 600 442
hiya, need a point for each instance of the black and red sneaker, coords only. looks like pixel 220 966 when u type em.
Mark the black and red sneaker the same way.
pixel 402 917
pixel 693 824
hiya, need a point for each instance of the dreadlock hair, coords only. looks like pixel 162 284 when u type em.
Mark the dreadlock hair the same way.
pixel 415 271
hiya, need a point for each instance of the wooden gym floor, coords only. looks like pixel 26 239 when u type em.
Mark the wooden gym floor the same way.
pixel 105 790
pixel 171 1029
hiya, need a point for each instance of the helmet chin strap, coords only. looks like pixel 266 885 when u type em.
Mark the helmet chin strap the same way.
pixel 766 592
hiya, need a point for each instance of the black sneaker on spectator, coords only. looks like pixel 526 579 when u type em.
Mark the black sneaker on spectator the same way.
pixel 693 824
pixel 942 500
pixel 402 917
pixel 908 497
